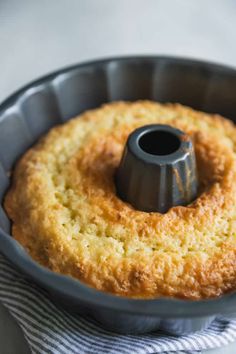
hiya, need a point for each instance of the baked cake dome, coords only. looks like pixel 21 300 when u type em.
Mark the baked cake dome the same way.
pixel 66 213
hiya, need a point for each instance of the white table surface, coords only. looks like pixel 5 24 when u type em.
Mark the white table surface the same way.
pixel 37 37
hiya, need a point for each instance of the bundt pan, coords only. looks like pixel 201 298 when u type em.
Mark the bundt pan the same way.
pixel 54 99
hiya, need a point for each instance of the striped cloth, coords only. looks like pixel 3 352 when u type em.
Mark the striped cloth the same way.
pixel 49 329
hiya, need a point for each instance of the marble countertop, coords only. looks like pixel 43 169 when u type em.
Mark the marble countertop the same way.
pixel 37 37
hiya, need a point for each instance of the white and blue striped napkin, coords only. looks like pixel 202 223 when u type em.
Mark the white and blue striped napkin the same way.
pixel 49 329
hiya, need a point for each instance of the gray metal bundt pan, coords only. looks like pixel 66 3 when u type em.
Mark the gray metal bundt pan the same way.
pixel 55 98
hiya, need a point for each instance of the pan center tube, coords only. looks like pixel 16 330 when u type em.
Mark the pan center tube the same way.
pixel 158 169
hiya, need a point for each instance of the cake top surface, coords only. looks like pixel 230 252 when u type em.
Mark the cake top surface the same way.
pixel 66 213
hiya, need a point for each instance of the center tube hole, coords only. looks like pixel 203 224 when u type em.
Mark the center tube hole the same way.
pixel 159 142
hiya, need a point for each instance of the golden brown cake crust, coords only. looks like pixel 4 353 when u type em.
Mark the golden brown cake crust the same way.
pixel 65 211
